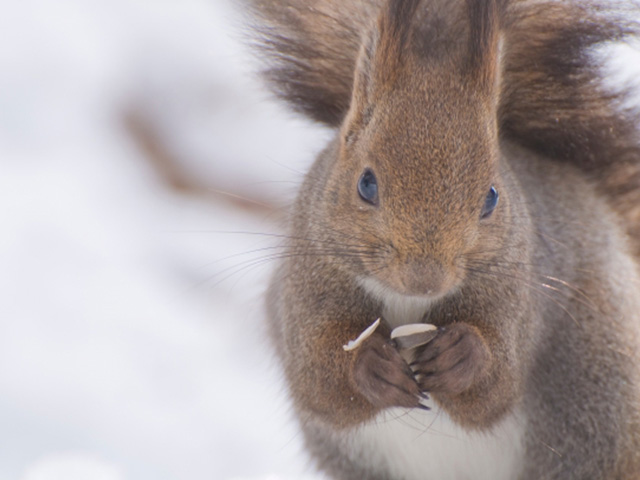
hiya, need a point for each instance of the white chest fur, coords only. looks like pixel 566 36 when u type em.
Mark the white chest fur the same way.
pixel 398 309
pixel 418 445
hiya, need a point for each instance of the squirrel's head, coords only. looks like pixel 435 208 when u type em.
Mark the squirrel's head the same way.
pixel 416 179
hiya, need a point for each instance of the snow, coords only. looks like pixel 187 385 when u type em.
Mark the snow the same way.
pixel 71 467
pixel 132 342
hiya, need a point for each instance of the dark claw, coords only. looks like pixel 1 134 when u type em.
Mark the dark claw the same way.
pixel 453 361
pixel 383 377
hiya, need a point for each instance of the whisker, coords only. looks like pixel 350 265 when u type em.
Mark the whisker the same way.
pixel 581 297
pixel 282 236
pixel 364 256
pixel 526 282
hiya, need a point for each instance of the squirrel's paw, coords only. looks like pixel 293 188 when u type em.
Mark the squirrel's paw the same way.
pixel 383 377
pixel 451 362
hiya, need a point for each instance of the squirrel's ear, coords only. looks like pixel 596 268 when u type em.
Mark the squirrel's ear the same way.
pixel 382 56
pixel 393 33
pixel 484 49
pixel 385 50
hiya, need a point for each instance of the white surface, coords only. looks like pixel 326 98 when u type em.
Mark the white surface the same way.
pixel 129 348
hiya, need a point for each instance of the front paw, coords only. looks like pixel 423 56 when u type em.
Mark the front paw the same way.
pixel 453 361
pixel 382 376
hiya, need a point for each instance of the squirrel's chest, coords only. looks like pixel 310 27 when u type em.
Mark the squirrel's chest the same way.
pixel 417 445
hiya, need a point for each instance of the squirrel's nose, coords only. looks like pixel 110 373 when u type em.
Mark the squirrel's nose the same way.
pixel 426 277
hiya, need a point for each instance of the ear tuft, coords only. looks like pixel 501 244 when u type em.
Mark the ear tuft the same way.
pixel 394 34
pixel 484 35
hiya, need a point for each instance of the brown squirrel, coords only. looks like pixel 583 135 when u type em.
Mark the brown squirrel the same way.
pixel 482 180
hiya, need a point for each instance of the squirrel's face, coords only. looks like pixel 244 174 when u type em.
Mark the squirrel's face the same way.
pixel 416 185
pixel 414 189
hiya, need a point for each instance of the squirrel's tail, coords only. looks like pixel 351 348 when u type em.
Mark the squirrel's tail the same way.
pixel 552 96
pixel 313 46
pixel 555 102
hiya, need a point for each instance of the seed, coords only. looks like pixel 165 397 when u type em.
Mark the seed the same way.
pixel 413 335
pixel 353 344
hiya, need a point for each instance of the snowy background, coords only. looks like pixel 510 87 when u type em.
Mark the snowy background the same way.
pixel 131 335
pixel 142 169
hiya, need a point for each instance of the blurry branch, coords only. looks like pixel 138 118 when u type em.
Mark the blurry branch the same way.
pixel 171 171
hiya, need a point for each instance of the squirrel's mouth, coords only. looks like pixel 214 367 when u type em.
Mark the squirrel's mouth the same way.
pixel 425 279
pixel 400 305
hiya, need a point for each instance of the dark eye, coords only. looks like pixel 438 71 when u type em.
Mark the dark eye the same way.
pixel 490 202
pixel 368 187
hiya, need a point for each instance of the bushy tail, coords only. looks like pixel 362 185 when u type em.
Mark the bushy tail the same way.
pixel 555 103
pixel 313 45
pixel 552 98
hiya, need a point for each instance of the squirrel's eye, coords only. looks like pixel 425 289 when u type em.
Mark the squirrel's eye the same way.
pixel 368 187
pixel 490 202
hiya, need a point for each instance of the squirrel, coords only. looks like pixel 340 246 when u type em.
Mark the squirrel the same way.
pixel 483 180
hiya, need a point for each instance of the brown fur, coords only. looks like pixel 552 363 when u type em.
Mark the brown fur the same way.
pixel 552 99
pixel 483 40
pixel 393 34
pixel 538 303
pixel 314 45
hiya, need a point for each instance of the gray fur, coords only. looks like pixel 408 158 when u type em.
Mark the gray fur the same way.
pixel 540 302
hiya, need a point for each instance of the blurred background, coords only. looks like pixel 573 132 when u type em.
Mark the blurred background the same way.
pixel 142 169
pixel 144 173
